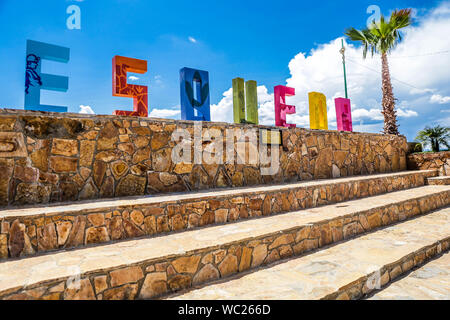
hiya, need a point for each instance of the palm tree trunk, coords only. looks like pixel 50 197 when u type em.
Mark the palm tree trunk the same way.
pixel 388 102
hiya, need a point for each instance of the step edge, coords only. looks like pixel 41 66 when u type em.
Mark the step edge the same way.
pixel 439 178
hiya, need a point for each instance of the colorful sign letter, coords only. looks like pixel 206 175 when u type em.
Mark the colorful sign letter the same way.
pixel 35 81
pixel 343 114
pixel 241 112
pixel 120 67
pixel 281 108
pixel 194 90
pixel 318 111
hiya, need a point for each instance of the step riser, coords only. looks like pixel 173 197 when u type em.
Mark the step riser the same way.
pixel 442 181
pixel 153 278
pixel 28 235
pixel 387 274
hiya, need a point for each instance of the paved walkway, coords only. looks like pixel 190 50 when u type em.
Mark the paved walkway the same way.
pixel 430 282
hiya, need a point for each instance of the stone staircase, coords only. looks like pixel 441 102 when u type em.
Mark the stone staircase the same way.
pixel 345 271
pixel 306 240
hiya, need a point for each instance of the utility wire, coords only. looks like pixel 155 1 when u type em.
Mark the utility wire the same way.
pixel 415 56
pixel 405 83
pixel 422 55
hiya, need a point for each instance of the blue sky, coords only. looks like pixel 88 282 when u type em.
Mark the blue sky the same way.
pixel 258 40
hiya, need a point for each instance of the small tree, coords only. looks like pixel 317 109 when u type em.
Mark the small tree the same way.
pixel 434 137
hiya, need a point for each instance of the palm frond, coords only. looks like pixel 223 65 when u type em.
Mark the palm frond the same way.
pixel 400 18
pixel 383 35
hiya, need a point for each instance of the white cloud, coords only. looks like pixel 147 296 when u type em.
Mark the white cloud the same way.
pixel 86 110
pixel 410 65
pixel 223 111
pixel 437 98
pixel 443 121
pixel 158 79
pixel 421 91
pixel 192 39
pixel 403 113
pixel 133 78
pixel 165 113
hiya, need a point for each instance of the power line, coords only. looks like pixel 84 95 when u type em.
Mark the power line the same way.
pixel 422 55
pixel 415 56
pixel 405 83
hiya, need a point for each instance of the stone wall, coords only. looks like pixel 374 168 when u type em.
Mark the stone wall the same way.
pixel 429 160
pixel 51 157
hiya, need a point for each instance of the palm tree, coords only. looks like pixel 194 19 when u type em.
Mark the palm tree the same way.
pixel 434 136
pixel 381 37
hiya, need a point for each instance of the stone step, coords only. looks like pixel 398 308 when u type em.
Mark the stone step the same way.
pixel 148 268
pixel 442 180
pixel 428 282
pixel 349 270
pixel 37 229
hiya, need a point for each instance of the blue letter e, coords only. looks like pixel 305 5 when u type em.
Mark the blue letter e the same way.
pixel 35 81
